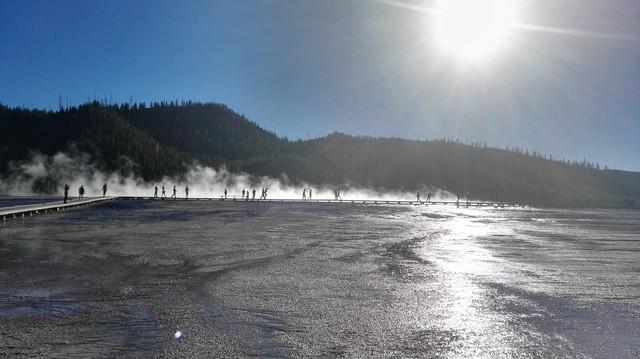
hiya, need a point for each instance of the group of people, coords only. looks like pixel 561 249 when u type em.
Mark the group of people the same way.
pixel 249 195
pixel 174 195
pixel 307 194
pixel 81 191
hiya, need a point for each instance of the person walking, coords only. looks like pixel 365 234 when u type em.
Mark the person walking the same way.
pixel 174 196
pixel 163 192
pixel 304 194
pixel 81 191
pixel 155 192
pixel 66 193
pixel 310 193
pixel 418 197
pixel 253 197
pixel 243 193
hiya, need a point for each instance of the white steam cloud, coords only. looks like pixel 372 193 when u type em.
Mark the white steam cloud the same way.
pixel 49 174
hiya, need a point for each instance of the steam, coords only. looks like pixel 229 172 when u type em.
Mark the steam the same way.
pixel 42 174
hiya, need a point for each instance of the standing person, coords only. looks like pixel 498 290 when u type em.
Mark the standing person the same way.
pixel 253 197
pixel 163 193
pixel 429 197
pixel 81 191
pixel 186 192
pixel 66 193
pixel 243 193
pixel 155 192
pixel 418 197
pixel 174 192
pixel 304 194
pixel 339 196
pixel 104 190
pixel 225 193
pixel 310 193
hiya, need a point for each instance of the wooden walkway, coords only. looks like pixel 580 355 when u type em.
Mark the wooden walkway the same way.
pixel 348 201
pixel 33 209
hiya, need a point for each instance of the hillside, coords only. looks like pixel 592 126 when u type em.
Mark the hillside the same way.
pixel 164 138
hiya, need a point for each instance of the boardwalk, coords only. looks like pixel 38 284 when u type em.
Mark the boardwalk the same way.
pixel 40 208
pixel 33 209
pixel 354 201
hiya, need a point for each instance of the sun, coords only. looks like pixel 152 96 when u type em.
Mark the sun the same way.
pixel 474 29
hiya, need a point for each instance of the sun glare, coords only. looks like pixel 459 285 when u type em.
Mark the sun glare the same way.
pixel 474 29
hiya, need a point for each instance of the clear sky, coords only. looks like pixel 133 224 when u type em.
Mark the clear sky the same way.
pixel 565 82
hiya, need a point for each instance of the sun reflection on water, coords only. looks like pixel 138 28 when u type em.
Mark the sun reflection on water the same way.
pixel 462 262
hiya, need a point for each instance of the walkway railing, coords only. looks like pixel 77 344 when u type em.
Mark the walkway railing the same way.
pixel 34 209
pixel 354 201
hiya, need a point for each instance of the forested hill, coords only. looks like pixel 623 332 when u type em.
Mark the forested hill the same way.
pixel 165 138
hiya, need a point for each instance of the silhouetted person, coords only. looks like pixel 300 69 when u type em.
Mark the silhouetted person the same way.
pixel 310 193
pixel 155 192
pixel 81 192
pixel 186 192
pixel 339 196
pixel 247 198
pixel 104 190
pixel 225 193
pixel 418 197
pixel 304 194
pixel 163 193
pixel 66 193
pixel 174 193
pixel 243 193
pixel 253 197
pixel 262 194
pixel 429 197
pixel 266 192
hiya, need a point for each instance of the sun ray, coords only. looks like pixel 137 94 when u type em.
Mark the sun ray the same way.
pixel 575 32
pixel 557 30
pixel 406 6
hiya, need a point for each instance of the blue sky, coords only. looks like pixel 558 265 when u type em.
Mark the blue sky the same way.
pixel 308 68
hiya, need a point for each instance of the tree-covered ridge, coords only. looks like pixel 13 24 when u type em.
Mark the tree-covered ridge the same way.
pixel 166 138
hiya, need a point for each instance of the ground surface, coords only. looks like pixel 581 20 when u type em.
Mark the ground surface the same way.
pixel 27 200
pixel 300 280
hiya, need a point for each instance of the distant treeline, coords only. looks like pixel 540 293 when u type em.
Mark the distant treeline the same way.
pixel 160 139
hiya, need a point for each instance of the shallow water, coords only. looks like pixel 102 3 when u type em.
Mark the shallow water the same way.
pixel 299 280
